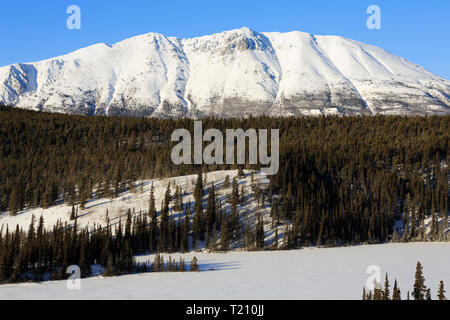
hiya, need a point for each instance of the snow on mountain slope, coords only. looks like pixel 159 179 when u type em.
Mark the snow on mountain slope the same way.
pixel 233 73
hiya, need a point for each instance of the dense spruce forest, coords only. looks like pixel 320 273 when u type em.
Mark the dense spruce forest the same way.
pixel 342 181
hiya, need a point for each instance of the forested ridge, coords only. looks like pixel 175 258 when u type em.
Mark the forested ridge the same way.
pixel 342 181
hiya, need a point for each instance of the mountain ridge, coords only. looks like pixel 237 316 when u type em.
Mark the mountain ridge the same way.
pixel 235 73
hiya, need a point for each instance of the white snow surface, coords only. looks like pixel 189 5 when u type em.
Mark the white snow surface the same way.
pixel 234 73
pixel 338 273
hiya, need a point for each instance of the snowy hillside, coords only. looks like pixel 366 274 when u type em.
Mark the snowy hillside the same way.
pixel 99 209
pixel 233 73
pixel 338 273
pixel 96 210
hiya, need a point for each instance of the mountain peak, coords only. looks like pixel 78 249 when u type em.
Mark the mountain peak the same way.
pixel 235 73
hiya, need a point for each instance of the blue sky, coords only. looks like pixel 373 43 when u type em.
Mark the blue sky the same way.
pixel 35 30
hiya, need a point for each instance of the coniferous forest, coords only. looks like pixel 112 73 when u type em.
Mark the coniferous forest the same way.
pixel 342 181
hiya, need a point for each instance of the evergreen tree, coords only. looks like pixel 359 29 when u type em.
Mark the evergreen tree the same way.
pixel 275 238
pixel 226 182
pixel 194 265
pixel 241 174
pixel 73 214
pixel 234 223
pixel 117 180
pixel 14 202
pixel 224 236
pixel 396 294
pixel 260 235
pixel 211 214
pixel 151 203
pixel 386 293
pixel 441 292
pixel 84 264
pixel 249 238
pixel 419 284
pixel 185 232
pixel 83 199
pixel 428 294
pixel 377 292
pixel 198 225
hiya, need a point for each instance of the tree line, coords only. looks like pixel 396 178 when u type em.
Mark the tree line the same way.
pixel 419 292
pixel 42 255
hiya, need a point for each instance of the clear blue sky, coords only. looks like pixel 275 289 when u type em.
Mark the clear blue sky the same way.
pixel 34 30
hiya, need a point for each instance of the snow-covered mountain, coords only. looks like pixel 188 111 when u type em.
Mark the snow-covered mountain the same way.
pixel 231 74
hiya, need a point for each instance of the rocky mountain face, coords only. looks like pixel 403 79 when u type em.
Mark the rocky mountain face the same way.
pixel 235 73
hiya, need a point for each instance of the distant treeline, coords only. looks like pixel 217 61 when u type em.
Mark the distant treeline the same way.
pixel 43 255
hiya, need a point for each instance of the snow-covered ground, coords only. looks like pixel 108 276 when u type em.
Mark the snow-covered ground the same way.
pixel 310 273
pixel 338 273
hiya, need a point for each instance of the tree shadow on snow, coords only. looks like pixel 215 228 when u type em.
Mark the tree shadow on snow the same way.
pixel 218 266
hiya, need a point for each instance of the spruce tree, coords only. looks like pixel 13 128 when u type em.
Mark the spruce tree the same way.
pixel 178 205
pixel 84 264
pixel 151 203
pixel 249 238
pixel 83 199
pixel 260 236
pixel 386 292
pixel 73 214
pixel 419 284
pixel 428 294
pixel 194 265
pixel 117 180
pixel 185 233
pixel 234 223
pixel 14 202
pixel 441 292
pixel 226 182
pixel 224 236
pixel 275 238
pixel 377 292
pixel 198 227
pixel 396 294
pixel 241 174
pixel 211 206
